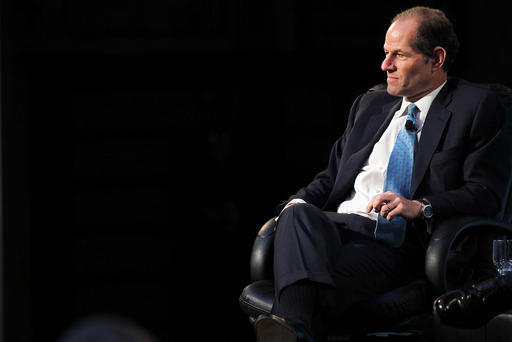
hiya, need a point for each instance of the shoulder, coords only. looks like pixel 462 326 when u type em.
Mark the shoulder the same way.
pixel 375 101
pixel 377 96
pixel 462 88
pixel 487 108
pixel 464 94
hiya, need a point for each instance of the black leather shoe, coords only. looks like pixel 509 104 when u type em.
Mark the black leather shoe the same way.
pixel 475 306
pixel 271 328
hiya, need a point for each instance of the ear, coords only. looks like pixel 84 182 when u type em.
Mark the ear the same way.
pixel 439 57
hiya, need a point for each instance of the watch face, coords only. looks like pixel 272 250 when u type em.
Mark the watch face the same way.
pixel 427 211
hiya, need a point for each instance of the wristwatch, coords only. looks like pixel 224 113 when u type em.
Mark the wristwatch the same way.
pixel 426 209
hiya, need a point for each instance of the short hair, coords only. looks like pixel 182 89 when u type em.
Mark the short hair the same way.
pixel 435 29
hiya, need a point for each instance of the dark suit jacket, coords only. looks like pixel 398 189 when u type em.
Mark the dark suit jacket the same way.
pixel 463 162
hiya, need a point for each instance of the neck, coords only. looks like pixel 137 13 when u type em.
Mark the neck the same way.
pixel 436 82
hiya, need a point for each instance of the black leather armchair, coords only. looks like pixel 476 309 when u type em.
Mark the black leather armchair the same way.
pixel 458 253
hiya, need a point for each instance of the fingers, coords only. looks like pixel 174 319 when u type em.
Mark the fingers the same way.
pixel 392 209
pixel 385 209
pixel 388 209
pixel 388 204
pixel 374 204
pixel 378 201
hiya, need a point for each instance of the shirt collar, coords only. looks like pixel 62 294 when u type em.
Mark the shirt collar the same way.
pixel 423 105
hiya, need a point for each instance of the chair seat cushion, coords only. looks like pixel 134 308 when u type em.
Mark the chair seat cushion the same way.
pixel 257 298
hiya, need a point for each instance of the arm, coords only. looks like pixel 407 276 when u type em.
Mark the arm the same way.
pixel 486 167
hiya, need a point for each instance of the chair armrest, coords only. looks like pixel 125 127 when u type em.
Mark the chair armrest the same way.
pixel 442 239
pixel 262 253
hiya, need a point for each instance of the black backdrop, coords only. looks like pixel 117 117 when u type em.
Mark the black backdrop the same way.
pixel 145 143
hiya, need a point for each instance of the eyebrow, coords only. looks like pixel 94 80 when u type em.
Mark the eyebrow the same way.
pixel 396 51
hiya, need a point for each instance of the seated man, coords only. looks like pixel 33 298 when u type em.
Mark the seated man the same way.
pixel 428 147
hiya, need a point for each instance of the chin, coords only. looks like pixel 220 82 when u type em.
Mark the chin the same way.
pixel 397 90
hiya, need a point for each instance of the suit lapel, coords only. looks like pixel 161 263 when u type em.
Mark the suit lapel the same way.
pixel 432 131
pixel 350 169
pixel 377 123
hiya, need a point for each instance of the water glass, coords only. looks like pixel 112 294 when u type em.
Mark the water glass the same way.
pixel 502 255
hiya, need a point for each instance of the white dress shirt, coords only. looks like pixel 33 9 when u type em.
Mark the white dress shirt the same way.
pixel 370 181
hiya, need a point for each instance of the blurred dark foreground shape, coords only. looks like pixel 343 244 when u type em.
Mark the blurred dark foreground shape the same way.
pixel 106 329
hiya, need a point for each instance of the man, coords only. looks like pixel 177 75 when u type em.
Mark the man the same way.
pixel 427 147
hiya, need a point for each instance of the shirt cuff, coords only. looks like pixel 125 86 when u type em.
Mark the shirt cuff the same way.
pixel 295 200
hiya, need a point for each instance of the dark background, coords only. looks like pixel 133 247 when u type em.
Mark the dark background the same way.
pixel 145 143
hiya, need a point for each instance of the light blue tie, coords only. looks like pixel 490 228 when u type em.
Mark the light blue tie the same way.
pixel 398 180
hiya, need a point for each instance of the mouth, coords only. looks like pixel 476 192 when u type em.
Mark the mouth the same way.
pixel 392 78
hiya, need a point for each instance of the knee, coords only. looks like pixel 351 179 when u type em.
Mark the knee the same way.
pixel 299 210
pixel 302 216
pixel 308 227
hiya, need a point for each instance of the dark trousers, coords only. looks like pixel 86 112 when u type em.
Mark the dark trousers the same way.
pixel 338 253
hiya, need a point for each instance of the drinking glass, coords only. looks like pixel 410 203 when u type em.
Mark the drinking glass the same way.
pixel 502 255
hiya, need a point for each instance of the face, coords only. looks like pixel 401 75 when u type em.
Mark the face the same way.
pixel 408 74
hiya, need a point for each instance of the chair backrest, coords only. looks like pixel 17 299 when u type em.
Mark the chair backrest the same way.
pixel 505 94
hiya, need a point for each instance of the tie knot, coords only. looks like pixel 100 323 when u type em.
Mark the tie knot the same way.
pixel 412 109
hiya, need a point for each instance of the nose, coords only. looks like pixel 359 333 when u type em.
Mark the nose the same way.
pixel 387 64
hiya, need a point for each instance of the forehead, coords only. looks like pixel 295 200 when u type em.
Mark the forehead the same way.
pixel 400 34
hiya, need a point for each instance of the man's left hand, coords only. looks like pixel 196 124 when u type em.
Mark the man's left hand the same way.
pixel 390 205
